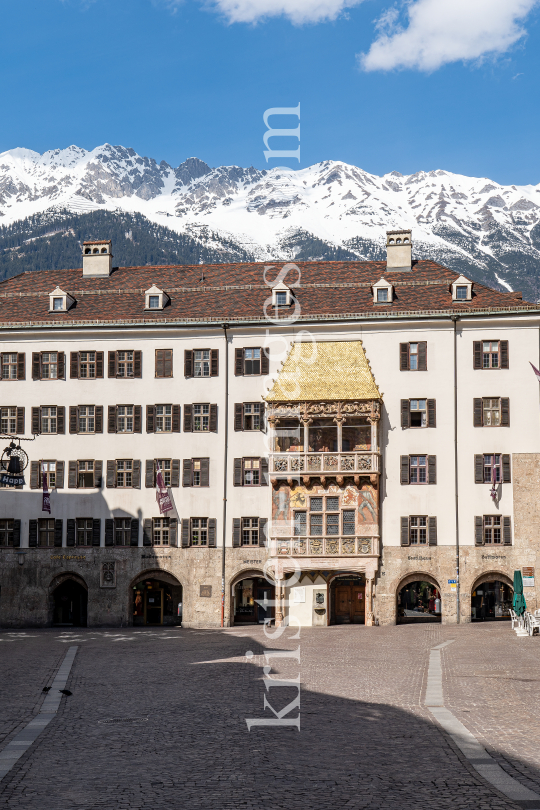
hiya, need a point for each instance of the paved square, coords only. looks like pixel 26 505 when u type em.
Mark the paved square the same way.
pixel 178 700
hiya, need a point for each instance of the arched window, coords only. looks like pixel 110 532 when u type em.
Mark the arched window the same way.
pixel 104 250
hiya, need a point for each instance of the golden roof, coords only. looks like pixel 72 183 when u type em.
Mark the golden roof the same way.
pixel 325 371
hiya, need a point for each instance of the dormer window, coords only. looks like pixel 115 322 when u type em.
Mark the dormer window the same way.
pixel 383 292
pixel 60 301
pixel 155 299
pixel 281 296
pixel 462 289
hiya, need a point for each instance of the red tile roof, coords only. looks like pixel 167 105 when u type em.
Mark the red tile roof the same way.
pixel 237 292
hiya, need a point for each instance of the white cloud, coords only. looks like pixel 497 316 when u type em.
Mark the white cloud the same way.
pixel 443 31
pixel 297 11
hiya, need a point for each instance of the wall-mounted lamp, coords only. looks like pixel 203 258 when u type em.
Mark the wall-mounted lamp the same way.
pixel 20 556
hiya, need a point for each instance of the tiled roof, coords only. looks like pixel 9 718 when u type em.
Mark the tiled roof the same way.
pixel 325 371
pixel 238 292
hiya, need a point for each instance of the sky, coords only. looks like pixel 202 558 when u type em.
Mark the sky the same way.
pixel 386 85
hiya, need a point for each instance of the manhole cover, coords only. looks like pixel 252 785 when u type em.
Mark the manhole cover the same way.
pixel 124 720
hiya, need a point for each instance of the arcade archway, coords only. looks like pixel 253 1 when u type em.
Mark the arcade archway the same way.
pixel 491 597
pixel 418 600
pixel 252 598
pixel 70 603
pixel 156 600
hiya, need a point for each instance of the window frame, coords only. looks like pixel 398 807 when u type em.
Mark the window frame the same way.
pixel 415 530
pixel 47 526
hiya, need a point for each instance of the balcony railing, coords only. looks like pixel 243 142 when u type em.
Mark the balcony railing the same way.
pixel 285 464
pixel 324 546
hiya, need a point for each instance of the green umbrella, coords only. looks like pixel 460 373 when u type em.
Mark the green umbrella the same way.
pixel 518 604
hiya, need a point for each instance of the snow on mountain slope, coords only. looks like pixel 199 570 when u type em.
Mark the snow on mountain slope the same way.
pixel 471 224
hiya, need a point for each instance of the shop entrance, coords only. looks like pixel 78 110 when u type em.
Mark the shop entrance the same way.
pixel 70 604
pixel 348 600
pixel 252 601
pixel 156 602
pixel 419 602
pixel 491 601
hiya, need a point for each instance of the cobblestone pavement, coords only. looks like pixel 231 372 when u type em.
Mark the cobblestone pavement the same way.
pixel 183 696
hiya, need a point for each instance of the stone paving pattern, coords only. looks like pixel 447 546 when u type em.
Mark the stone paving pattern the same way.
pixel 366 741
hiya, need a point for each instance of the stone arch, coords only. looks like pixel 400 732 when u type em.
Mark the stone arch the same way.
pixel 249 573
pixel 61 579
pixel 418 576
pixel 489 576
pixel 175 591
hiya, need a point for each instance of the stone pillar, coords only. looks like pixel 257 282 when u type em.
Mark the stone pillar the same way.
pixel 370 618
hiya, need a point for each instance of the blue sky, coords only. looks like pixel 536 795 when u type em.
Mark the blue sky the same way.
pixel 177 79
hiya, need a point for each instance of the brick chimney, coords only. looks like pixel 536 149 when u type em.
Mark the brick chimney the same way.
pixel 398 250
pixel 97 258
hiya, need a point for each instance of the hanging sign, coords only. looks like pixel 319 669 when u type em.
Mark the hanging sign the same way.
pixel 12 480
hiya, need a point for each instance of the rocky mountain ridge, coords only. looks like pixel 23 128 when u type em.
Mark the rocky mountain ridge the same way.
pixel 473 225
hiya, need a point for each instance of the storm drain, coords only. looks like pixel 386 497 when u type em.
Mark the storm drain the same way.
pixel 124 720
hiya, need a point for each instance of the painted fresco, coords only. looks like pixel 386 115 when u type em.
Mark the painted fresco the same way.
pixel 285 501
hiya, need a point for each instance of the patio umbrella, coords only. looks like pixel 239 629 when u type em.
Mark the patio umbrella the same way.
pixel 519 600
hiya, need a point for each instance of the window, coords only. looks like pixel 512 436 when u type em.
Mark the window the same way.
pixel 9 366
pixel 87 365
pixel 199 531
pixel 160 533
pixel 6 532
pixel 201 363
pixel 166 467
pixel 84 531
pixel 492 529
pixel 58 304
pixel 85 477
pixel 492 468
pixel 490 354
pixel 124 473
pixel 324 518
pixel 201 417
pixel 49 365
pixel 122 531
pixel 125 364
pixel 86 419
pixel 418 531
pixel 48 419
pixel 418 469
pixel 413 356
pixel 163 418
pixel 196 472
pixel 462 293
pixel 491 411
pixel 252 362
pixel 48 468
pixel 281 298
pixel 124 419
pixel 252 415
pixel 46 531
pixel 382 295
pixel 164 358
pixel 418 411
pixel 252 472
pixel 250 531
pixel 8 420
pixel 153 301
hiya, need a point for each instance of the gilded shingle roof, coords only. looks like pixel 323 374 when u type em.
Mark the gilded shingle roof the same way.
pixel 325 371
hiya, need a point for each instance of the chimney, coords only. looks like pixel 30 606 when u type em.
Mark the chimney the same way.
pixel 97 259
pixel 398 251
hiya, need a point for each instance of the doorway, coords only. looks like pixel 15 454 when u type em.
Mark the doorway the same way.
pixel 70 604
pixel 252 601
pixel 419 602
pixel 348 600
pixel 156 603
pixel 491 601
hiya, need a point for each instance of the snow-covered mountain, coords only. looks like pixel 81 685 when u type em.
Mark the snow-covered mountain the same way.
pixel 474 225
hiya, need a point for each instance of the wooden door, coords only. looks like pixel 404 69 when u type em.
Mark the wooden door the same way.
pixel 153 613
pixel 358 604
pixel 343 603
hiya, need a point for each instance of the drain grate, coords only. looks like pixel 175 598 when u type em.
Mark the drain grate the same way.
pixel 124 720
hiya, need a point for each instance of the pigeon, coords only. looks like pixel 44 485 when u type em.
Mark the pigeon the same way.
pixel 46 689
pixel 65 692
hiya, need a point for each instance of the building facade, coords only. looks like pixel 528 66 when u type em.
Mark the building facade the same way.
pixel 363 434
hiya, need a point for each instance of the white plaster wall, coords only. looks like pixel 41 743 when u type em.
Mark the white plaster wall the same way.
pixel 301 614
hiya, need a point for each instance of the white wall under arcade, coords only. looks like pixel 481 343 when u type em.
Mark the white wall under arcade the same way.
pixel 301 607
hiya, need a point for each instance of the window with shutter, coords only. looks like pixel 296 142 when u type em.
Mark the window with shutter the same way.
pixel 111 419
pixel 112 364
pixel 96 531
pixel 477 354
pixel 175 472
pixel 136 475
pixel 20 421
pixel 212 533
pixel 188 418
pixel 478 419
pixel 72 475
pixel 59 482
pixel 147 532
pixel 188 363
pixel 98 470
pixel 21 366
pixel 431 413
pixel 479 469
pixel 214 363
pixel 70 532
pixel 432 469
pixel 479 531
pixel 74 365
pixel 36 421
pixel 185 533
pixel 150 415
pixel 109 531
pixel 403 356
pixel 504 353
pixel 239 416
pixel 505 412
pixel 507 530
pixel 186 472
pixel 137 364
pixel 432 531
pixel 176 418
pixel 404 475
pixel 237 472
pixel 164 363
pixel 239 362
pixel 134 532
pixel 263 532
pixel 149 473
pixel 111 473
pixel 173 532
pixel 213 419
pixel 506 478
pixel 34 475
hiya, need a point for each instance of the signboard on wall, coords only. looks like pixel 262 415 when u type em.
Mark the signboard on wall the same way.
pixel 528 577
